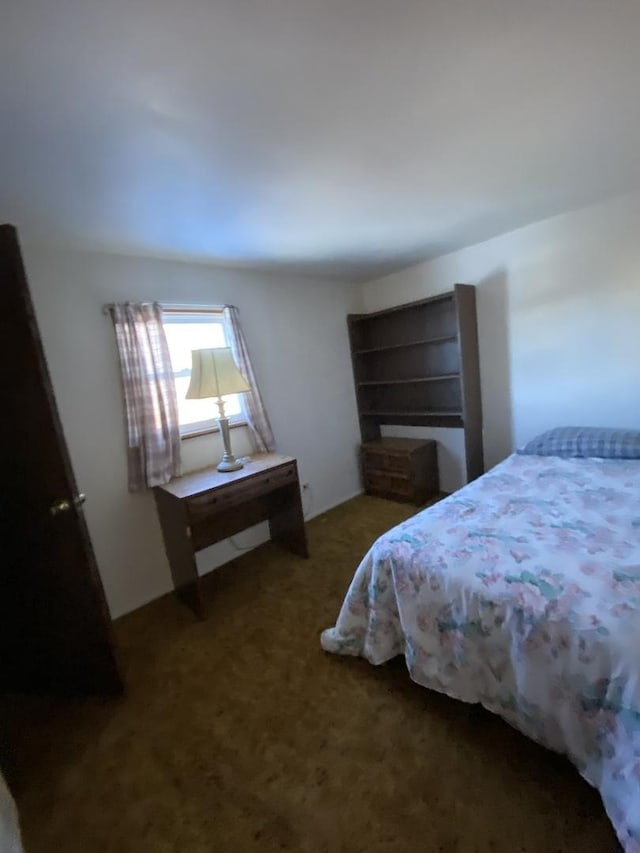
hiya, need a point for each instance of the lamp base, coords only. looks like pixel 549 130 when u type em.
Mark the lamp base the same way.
pixel 230 464
pixel 228 461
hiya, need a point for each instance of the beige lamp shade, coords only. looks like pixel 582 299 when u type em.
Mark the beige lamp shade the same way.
pixel 214 374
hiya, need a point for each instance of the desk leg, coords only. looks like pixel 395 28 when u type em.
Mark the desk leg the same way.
pixel 189 594
pixel 179 550
pixel 286 524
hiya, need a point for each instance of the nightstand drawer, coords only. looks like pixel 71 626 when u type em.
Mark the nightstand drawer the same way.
pixel 217 500
pixel 393 462
pixel 386 485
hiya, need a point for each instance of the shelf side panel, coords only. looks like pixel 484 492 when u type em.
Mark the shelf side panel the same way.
pixel 465 296
pixel 369 428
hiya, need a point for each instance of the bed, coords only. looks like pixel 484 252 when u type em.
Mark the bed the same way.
pixel 522 592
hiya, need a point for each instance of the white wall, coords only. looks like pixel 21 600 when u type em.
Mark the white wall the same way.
pixel 297 334
pixel 559 324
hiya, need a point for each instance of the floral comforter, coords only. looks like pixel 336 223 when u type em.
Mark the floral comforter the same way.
pixel 522 592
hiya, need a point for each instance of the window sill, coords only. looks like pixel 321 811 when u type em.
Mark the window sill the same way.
pixel 211 430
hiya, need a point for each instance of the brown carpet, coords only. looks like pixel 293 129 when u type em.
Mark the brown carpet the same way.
pixel 240 734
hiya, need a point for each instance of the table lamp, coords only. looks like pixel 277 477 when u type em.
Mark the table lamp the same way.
pixel 214 374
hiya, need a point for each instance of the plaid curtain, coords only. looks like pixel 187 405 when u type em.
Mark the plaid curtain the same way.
pixel 151 405
pixel 252 405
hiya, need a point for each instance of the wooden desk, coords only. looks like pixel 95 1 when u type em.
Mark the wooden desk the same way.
pixel 205 507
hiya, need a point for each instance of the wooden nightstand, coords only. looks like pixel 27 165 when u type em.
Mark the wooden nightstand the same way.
pixel 401 469
pixel 205 507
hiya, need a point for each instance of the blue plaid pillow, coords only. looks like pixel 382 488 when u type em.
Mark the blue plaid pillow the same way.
pixel 582 442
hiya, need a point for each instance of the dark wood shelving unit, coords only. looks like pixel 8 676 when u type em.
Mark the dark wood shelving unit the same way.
pixel 417 364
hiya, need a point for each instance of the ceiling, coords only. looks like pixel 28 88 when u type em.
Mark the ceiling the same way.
pixel 340 137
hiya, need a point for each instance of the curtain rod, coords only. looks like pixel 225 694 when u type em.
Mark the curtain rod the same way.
pixel 106 308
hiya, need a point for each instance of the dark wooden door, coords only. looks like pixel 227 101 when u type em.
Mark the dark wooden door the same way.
pixel 55 630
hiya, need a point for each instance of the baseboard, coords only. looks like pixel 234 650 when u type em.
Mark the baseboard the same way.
pixel 333 505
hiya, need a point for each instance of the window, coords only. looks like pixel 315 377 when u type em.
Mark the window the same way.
pixel 196 329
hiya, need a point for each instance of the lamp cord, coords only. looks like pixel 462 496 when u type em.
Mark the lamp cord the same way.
pixel 305 511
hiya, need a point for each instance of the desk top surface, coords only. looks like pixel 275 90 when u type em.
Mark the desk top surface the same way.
pixel 210 478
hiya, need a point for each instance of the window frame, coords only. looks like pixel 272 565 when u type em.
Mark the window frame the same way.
pixel 172 314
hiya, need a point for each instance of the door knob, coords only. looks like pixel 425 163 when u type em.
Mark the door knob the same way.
pixel 64 505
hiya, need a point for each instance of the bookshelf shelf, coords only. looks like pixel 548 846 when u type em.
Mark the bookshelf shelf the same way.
pixel 411 380
pixel 424 342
